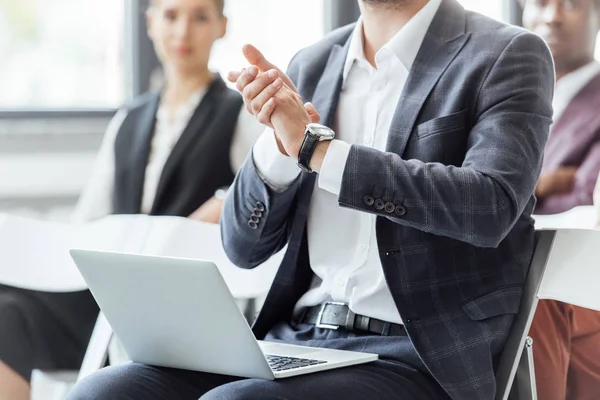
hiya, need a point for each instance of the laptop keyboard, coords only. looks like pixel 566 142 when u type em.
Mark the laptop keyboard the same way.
pixel 280 363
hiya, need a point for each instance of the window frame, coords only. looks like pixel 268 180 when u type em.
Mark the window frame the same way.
pixel 514 11
pixel 141 61
pixel 339 13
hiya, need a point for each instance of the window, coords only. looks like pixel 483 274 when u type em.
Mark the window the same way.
pixel 61 54
pixel 278 28
pixel 491 8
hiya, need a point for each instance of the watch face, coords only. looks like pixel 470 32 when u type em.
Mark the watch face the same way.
pixel 322 132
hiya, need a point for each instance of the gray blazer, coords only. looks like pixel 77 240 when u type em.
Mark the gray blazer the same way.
pixel 462 160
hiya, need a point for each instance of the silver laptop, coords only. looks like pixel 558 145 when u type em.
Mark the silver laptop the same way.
pixel 179 313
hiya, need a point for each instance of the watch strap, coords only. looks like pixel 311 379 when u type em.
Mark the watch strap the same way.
pixel 309 144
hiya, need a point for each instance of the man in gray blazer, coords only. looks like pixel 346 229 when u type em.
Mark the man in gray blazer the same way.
pixel 410 234
pixel 450 190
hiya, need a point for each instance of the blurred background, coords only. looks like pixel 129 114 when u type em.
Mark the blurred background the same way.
pixel 67 65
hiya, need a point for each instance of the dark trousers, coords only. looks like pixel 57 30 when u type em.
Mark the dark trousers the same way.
pixel 398 375
pixel 566 351
pixel 42 330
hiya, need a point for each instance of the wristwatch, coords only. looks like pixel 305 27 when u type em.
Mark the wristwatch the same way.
pixel 313 134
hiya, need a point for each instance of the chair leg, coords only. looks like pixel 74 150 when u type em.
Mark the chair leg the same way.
pixel 52 385
pixel 523 387
pixel 250 310
pixel 97 350
pixel 64 391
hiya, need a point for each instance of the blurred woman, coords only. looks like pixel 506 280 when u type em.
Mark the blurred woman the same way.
pixel 168 153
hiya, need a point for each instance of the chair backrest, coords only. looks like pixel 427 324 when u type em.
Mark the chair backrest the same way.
pixel 509 361
pixel 573 270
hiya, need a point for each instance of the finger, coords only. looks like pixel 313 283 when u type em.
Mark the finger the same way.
pixel 263 97
pixel 315 118
pixel 264 116
pixel 246 77
pixel 233 76
pixel 254 88
pixel 255 57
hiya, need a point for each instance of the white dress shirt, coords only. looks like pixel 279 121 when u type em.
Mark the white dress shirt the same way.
pixel 342 242
pixel 569 85
pixel 96 199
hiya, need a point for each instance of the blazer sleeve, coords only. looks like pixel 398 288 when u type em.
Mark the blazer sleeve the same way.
pixel 255 218
pixel 480 201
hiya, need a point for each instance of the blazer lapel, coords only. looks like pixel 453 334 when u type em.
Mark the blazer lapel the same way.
pixel 327 93
pixel 190 134
pixel 444 40
pixel 325 99
pixel 141 147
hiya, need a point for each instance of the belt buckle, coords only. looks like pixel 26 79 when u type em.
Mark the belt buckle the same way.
pixel 319 323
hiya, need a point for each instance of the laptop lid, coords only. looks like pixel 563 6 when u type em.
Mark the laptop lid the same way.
pixel 172 312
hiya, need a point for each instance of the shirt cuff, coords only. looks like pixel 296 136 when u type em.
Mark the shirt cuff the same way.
pixel 278 171
pixel 334 163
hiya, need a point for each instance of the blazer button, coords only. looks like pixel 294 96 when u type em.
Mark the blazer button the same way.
pixel 260 206
pixel 379 204
pixel 257 212
pixel 252 224
pixel 400 211
pixel 254 218
pixel 390 207
pixel 369 200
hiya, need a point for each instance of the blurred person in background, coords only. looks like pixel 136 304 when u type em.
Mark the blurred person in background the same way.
pixel 167 153
pixel 567 338
pixel 572 157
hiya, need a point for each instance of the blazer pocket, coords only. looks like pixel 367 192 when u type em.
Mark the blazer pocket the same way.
pixel 447 123
pixel 499 302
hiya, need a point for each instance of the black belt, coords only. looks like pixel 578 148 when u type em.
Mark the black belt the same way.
pixel 334 315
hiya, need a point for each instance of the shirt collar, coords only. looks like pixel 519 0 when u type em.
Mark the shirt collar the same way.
pixel 183 110
pixel 405 44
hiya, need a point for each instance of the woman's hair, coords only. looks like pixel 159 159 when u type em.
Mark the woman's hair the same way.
pixel 220 4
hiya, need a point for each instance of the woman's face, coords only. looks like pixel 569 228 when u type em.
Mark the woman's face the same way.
pixel 183 32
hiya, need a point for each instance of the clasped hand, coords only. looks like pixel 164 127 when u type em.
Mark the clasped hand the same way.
pixel 271 96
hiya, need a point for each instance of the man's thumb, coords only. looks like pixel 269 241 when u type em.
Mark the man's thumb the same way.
pixel 315 118
pixel 255 57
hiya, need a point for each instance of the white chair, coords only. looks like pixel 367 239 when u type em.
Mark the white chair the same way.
pixel 515 378
pixel 56 385
pixel 565 267
pixel 52 385
pixel 97 350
